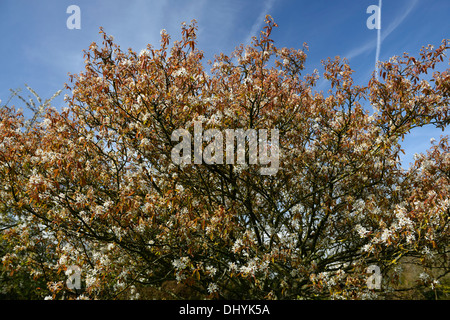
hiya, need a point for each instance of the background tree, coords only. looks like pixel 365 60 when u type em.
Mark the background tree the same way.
pixel 25 244
pixel 96 183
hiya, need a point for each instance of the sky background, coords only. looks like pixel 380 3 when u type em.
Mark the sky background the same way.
pixel 38 49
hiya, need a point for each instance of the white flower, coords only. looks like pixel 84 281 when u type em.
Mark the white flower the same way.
pixel 212 287
pixel 331 282
pixel 145 142
pixel 180 263
pixel 144 52
pixel 98 210
pixel 432 140
pixel 162 32
pixel 126 62
pixel 180 277
pixel 237 245
pixel 80 199
pixel 424 276
pixel 147 206
pixel 402 219
pixel 427 251
pixel 35 178
pixel 232 266
pixel 146 116
pixel 63 259
pixel 90 280
pixel 180 72
pixel 361 231
pixel 359 205
pixel 252 267
pixel 434 283
pixel 248 80
pixel 427 164
pixel 298 208
pixel 385 235
pixel 46 123
pixel 134 295
pixel 212 271
pixel 108 204
pixel 410 238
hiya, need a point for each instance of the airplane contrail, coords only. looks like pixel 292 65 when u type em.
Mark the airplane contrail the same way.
pixel 377 56
pixel 260 21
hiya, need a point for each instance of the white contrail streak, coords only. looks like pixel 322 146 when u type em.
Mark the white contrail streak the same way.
pixel 260 20
pixel 377 56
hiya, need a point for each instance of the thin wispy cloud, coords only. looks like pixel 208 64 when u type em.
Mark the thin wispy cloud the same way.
pixel 383 33
pixel 399 19
pixel 259 22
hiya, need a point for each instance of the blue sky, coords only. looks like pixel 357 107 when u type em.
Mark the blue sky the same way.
pixel 38 48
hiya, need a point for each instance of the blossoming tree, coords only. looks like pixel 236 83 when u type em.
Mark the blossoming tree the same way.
pixel 94 185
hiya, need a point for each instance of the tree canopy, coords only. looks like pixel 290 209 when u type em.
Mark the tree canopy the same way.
pixel 94 185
